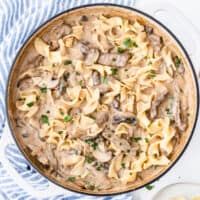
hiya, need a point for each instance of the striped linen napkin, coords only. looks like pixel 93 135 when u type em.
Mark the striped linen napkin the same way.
pixel 18 19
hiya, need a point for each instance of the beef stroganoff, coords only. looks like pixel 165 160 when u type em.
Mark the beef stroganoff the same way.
pixel 101 100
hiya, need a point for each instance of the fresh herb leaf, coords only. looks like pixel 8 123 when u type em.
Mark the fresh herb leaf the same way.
pixel 167 110
pixel 94 145
pixel 43 90
pixel 146 140
pixel 177 61
pixel 135 44
pixel 60 132
pixel 123 165
pixel 172 121
pixel 105 80
pixel 152 73
pixel 72 178
pixel 30 104
pixel 149 187
pixel 114 70
pixel 81 82
pixel 113 59
pixel 45 119
pixel 137 139
pixel 128 43
pixel 53 65
pixel 67 62
pixel 68 118
pixel 120 50
pixel 89 159
pixel 92 187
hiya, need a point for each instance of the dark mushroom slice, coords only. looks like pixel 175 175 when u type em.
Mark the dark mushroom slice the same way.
pixel 117 119
pixel 58 31
pixel 148 29
pixel 114 59
pixel 116 102
pixel 160 96
pixel 83 48
pixel 96 78
pixel 156 42
pixel 92 56
pixel 176 113
pixel 102 117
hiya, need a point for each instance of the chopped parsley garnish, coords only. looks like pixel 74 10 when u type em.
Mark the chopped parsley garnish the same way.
pixel 167 110
pixel 67 62
pixel 30 104
pixel 89 159
pixel 114 70
pixel 123 165
pixel 92 187
pixel 146 140
pixel 137 139
pixel 81 82
pixel 92 143
pixel 105 80
pixel 113 59
pixel 61 112
pixel 68 118
pixel 149 187
pixel 71 178
pixel 135 44
pixel 92 117
pixel 128 43
pixel 45 119
pixel 43 90
pixel 177 61
pixel 60 132
pixel 152 73
pixel 120 50
pixel 53 65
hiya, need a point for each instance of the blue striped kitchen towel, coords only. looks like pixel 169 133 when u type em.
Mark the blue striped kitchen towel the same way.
pixel 18 19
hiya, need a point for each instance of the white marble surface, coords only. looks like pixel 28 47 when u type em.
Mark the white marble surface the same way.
pixel 187 169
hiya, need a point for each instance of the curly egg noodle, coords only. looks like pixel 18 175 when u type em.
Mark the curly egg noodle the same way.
pixel 102 102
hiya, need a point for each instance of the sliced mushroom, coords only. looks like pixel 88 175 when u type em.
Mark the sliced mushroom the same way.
pixel 117 119
pixel 84 48
pixel 101 154
pixel 58 31
pixel 92 56
pixel 116 102
pixel 101 118
pixel 155 41
pixel 114 59
pixel 148 29
pixel 177 114
pixel 96 78
pixel 159 97
pixel 51 156
pixel 60 90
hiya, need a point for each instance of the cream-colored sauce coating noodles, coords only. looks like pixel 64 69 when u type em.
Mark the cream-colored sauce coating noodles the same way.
pixel 103 100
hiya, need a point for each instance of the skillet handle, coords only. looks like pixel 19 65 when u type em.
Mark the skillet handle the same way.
pixel 51 190
pixel 179 24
